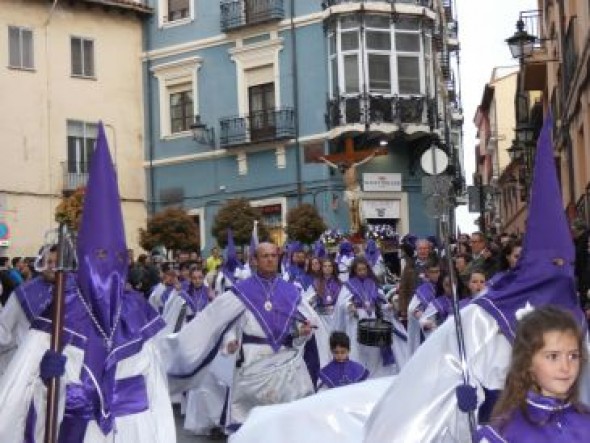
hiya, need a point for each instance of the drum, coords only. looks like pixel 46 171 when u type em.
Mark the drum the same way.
pixel 374 332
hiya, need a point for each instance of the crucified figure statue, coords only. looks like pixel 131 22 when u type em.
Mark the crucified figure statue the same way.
pixel 352 187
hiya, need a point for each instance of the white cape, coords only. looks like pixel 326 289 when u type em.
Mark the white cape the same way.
pixel 335 415
pixel 419 405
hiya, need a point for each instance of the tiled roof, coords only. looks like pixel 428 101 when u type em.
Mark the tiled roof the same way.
pixel 138 6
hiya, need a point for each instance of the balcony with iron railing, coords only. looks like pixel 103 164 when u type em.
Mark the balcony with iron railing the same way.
pixel 375 109
pixel 237 14
pixel 570 58
pixel 257 127
pixel 75 175
pixel 444 60
pixel 425 3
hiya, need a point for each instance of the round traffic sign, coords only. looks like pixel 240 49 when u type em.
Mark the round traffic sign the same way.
pixel 434 161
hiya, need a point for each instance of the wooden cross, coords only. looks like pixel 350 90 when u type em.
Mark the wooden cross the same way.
pixel 350 156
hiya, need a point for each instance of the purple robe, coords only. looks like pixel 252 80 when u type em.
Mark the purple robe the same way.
pixel 331 290
pixel 283 297
pixel 426 293
pixel 196 298
pixel 444 306
pixel 138 323
pixel 365 292
pixel 336 374
pixel 548 420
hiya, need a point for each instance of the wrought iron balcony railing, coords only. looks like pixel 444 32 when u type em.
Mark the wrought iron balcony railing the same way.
pixel 426 3
pixel 259 126
pixel 237 14
pixel 75 175
pixel 369 109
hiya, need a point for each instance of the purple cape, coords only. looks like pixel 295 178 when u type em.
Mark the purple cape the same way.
pixel 336 374
pixel 284 297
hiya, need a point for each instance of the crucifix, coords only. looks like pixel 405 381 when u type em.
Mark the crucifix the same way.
pixel 347 164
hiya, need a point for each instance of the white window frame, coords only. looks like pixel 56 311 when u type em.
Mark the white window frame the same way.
pixel 202 220
pixel 163 21
pixel 255 56
pixel 89 132
pixel 82 41
pixel 21 30
pixel 242 160
pixel 364 62
pixel 273 201
pixel 173 77
pixel 419 53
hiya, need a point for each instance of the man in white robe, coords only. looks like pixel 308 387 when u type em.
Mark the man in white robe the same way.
pixel 265 322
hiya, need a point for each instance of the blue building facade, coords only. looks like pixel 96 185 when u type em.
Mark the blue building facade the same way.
pixel 243 97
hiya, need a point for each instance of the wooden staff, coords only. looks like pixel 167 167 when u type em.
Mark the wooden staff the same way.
pixel 51 425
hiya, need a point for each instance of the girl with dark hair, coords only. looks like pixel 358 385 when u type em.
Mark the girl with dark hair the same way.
pixel 323 293
pixel 509 256
pixel 540 398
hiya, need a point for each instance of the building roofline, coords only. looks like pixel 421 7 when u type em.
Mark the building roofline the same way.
pixel 129 5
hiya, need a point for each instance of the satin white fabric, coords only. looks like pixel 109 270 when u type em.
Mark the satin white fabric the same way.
pixel 419 405
pixel 14 327
pixel 21 385
pixel 185 351
pixel 331 416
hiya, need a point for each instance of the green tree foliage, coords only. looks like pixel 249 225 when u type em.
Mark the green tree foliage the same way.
pixel 304 224
pixel 239 216
pixel 173 228
pixel 69 209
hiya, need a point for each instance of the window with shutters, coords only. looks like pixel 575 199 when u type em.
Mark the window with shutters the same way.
pixel 81 140
pixel 181 108
pixel 175 12
pixel 178 9
pixel 82 50
pixel 20 48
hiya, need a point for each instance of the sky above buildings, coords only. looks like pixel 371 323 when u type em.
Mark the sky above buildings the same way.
pixel 483 29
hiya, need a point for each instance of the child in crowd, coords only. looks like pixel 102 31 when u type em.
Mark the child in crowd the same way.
pixel 540 399
pixel 340 371
pixel 476 282
pixel 425 294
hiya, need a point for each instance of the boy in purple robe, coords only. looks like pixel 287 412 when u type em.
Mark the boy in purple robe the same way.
pixel 341 371
pixel 425 294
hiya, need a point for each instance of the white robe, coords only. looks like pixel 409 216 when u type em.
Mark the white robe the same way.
pixel 265 377
pixel 419 406
pixel 369 356
pixel 202 405
pixel 14 327
pixel 21 385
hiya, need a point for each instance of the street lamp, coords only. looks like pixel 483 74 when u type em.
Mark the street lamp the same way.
pixel 202 133
pixel 521 44
pixel 515 150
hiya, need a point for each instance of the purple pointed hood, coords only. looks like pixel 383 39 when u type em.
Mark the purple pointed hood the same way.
pixel 372 252
pixel 544 274
pixel 319 249
pixel 101 246
pixel 231 262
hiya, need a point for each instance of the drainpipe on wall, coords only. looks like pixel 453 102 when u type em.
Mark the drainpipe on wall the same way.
pixel 148 82
pixel 296 104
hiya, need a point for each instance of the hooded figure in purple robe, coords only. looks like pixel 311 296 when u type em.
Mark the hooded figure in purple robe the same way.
pixel 543 276
pixel 544 273
pixel 319 249
pixel 109 326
